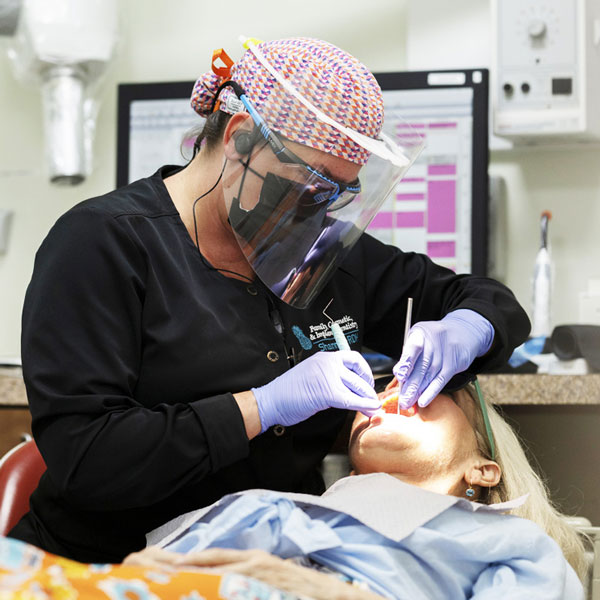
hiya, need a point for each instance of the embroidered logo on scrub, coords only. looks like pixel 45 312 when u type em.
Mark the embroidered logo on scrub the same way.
pixel 320 335
pixel 304 341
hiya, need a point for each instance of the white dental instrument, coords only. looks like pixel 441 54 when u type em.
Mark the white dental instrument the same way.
pixel 336 330
pixel 542 283
pixel 407 326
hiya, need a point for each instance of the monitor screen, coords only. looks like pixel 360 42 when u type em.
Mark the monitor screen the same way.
pixel 440 208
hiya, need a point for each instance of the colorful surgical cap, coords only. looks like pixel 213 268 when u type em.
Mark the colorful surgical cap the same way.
pixel 331 79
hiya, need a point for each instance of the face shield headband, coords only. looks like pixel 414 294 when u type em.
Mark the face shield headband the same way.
pixel 295 223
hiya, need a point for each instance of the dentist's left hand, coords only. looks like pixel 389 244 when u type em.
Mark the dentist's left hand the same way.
pixel 340 379
pixel 435 351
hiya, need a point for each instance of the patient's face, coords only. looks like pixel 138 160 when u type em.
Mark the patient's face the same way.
pixel 438 439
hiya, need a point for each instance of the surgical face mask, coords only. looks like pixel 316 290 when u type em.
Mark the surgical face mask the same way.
pixel 248 223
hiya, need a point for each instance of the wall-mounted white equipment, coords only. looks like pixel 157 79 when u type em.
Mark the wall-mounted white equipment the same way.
pixel 64 46
pixel 546 72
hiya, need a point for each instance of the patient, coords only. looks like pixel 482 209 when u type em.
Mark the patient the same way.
pixel 402 527
pixel 398 527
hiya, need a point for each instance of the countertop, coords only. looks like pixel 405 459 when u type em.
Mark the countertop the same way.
pixel 542 389
pixel 501 389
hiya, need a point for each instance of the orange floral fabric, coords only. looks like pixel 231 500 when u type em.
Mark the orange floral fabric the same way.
pixel 28 573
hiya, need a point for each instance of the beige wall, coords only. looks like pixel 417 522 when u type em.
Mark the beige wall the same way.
pixel 566 182
pixel 157 44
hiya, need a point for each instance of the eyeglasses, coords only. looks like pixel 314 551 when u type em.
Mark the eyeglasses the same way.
pixel 319 188
pixel 486 419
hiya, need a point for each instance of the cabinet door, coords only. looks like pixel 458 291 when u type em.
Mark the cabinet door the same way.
pixel 14 423
pixel 562 442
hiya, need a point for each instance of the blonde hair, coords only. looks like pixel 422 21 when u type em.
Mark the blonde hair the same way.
pixel 519 478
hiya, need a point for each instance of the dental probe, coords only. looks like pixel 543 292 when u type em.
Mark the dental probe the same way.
pixel 407 326
pixel 338 334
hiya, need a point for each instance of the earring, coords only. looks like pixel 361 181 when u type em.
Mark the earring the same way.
pixel 470 492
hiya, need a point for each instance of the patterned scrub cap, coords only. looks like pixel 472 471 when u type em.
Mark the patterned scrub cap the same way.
pixel 331 79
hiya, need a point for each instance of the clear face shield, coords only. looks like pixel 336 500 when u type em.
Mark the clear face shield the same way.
pixel 296 212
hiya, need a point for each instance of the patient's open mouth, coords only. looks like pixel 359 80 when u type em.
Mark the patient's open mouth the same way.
pixel 389 400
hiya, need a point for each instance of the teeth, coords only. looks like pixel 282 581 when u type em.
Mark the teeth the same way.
pixel 390 404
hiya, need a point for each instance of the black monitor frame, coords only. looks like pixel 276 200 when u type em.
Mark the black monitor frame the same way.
pixel 130 92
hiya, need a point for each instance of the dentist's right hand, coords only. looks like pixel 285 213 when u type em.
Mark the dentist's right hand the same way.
pixel 340 379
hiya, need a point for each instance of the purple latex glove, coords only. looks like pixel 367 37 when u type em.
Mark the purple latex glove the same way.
pixel 326 379
pixel 435 351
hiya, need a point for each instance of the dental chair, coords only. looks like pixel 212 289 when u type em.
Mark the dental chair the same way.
pixel 20 472
pixel 593 587
pixel 591 537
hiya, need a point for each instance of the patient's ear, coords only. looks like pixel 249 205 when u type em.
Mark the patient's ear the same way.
pixel 486 473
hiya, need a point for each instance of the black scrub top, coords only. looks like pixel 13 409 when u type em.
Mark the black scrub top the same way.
pixel 132 346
